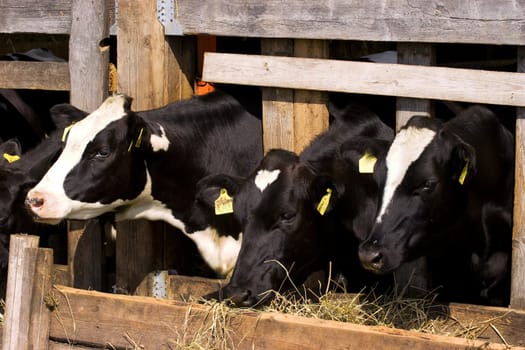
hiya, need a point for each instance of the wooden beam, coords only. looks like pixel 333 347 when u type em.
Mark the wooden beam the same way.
pixel 293 118
pixel 29 272
pixel 100 319
pixel 466 85
pixel 88 54
pixel 34 75
pixel 45 16
pixel 480 22
pixel 517 295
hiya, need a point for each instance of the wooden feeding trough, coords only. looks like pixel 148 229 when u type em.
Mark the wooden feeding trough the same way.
pixel 156 64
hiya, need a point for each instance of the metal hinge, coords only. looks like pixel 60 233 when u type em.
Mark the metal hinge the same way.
pixel 166 14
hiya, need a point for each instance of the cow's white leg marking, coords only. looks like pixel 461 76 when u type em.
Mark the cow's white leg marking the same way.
pixel 406 148
pixel 265 178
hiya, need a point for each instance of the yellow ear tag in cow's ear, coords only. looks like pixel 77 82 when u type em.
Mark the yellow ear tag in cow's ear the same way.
pixel 11 157
pixel 66 132
pixel 223 203
pixel 463 174
pixel 367 163
pixel 325 200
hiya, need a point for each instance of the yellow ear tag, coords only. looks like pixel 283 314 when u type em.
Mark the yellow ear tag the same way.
pixel 223 203
pixel 66 132
pixel 11 157
pixel 323 203
pixel 137 143
pixel 463 174
pixel 366 163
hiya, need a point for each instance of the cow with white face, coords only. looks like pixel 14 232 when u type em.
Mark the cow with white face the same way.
pixel 448 196
pixel 146 165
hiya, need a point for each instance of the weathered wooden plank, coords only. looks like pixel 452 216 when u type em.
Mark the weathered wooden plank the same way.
pixel 310 107
pixel 45 16
pixel 17 315
pixel 489 22
pixel 277 104
pixel 88 317
pixel 88 59
pixel 517 295
pixel 505 88
pixel 34 75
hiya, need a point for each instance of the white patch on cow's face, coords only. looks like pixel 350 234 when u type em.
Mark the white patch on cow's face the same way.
pixel 51 188
pixel 406 148
pixel 265 178
pixel 160 143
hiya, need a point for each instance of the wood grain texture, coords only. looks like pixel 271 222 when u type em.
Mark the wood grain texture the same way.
pixel 517 295
pixel 45 16
pixel 100 319
pixel 505 88
pixel 34 75
pixel 489 22
pixel 88 59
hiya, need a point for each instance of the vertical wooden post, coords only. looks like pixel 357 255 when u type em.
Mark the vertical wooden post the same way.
pixel 413 274
pixel 88 56
pixel 292 118
pixel 29 282
pixel 418 54
pixel 517 295
pixel 85 254
pixel 154 70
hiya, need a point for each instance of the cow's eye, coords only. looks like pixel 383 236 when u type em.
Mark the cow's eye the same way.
pixel 426 187
pixel 101 154
pixel 287 216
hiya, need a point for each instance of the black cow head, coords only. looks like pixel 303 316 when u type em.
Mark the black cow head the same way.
pixel 428 170
pixel 283 235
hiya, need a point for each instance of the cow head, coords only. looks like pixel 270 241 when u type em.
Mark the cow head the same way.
pixel 19 172
pixel 111 140
pixel 428 170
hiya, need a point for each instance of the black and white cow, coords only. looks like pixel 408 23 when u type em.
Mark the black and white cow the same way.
pixel 147 164
pixel 448 196
pixel 287 233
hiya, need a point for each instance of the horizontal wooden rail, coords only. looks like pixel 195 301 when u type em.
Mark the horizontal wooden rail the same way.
pixel 99 319
pixel 482 22
pixel 466 85
pixel 43 16
pixel 34 75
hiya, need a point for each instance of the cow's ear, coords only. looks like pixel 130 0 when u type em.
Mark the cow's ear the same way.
pixel 363 153
pixel 323 194
pixel 211 188
pixel 10 150
pixel 462 161
pixel 64 114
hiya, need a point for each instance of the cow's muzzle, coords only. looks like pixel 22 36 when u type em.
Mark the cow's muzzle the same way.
pixel 372 257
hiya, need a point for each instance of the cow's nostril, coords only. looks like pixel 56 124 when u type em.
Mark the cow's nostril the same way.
pixel 376 257
pixel 240 298
pixel 35 202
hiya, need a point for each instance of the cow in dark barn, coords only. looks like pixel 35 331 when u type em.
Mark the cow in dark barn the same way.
pixel 25 112
pixel 147 164
pixel 19 171
pixel 297 213
pixel 448 196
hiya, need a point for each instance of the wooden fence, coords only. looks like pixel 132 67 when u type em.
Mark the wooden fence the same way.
pixel 295 73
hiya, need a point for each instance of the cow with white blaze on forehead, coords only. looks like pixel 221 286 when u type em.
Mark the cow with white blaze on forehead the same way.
pixel 448 196
pixel 299 213
pixel 146 165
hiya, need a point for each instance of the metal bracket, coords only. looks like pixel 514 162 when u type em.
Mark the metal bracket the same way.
pixel 166 14
pixel 159 288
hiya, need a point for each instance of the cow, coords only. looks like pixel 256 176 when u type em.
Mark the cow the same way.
pixel 448 196
pixel 19 171
pixel 145 165
pixel 299 212
pixel 26 111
